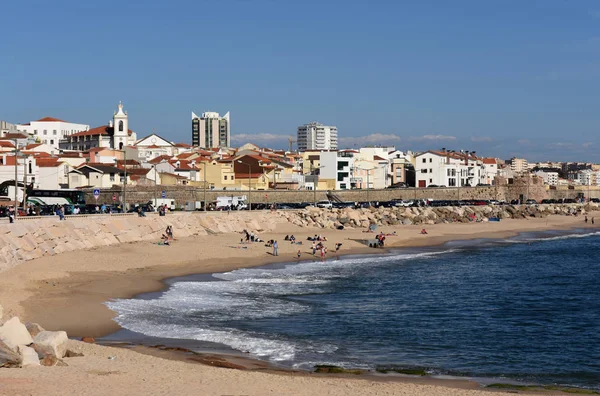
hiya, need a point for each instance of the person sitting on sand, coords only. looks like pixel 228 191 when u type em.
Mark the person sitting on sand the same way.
pixel 165 240
pixel 293 239
pixel 287 238
pixel 423 231
pixel 338 246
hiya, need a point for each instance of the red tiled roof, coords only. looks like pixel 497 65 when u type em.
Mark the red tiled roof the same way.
pixel 378 158
pixel 74 154
pixel 101 130
pixel 6 143
pixel 186 155
pixel 14 136
pixel 183 165
pixel 138 171
pixel 50 119
pixel 489 161
pixel 160 159
pixel 48 162
pixel 32 146
pixel 10 160
pixel 184 145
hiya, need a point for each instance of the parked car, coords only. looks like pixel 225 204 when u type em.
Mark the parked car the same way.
pixel 324 204
pixel 399 185
pixel 531 202
pixel 595 200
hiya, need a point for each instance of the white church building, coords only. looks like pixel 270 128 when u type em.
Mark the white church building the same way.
pixel 116 135
pixel 51 131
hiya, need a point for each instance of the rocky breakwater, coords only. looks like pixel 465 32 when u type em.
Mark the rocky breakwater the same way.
pixel 29 345
pixel 362 218
pixel 31 238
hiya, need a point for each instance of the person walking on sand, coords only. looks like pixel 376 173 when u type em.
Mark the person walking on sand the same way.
pixel 586 219
pixel 592 220
pixel 314 247
pixel 275 247
pixel 299 253
pixel 322 252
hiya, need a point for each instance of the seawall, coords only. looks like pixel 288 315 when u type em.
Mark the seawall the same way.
pixel 33 237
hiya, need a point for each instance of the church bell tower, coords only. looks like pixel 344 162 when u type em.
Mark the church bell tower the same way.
pixel 121 127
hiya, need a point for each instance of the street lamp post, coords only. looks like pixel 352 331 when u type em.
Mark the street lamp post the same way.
pixel 155 196
pixel 249 182
pixel 16 180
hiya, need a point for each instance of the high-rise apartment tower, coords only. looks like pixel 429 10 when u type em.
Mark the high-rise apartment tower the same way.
pixel 211 130
pixel 315 136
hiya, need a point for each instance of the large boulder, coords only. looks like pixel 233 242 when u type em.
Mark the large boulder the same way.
pixel 29 357
pixel 51 343
pixel 33 328
pixel 8 356
pixel 14 333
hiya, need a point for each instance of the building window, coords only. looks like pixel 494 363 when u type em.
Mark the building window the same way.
pixel 54 132
pixel 224 177
pixel 112 177
pixel 45 132
pixel 423 170
pixel 430 159
pixel 30 170
pixel 430 180
pixel 51 141
pixel 35 131
pixel 430 170
pixel 424 160
pixel 120 126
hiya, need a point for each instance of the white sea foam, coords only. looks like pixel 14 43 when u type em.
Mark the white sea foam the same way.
pixel 202 310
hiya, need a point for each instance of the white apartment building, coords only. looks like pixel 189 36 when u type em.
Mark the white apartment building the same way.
pixel 211 130
pixel 490 170
pixel 50 130
pixel 550 178
pixel 519 165
pixel 315 136
pixel 448 168
pixel 337 166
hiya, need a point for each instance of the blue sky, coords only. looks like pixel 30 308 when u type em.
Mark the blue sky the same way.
pixel 505 78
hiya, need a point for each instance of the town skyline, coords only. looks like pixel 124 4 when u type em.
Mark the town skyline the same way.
pixel 506 80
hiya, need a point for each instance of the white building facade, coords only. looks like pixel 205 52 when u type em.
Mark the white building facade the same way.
pixel 51 131
pixel 315 136
pixel 448 169
pixel 550 178
pixel 337 166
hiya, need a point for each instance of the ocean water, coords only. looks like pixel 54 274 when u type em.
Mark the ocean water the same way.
pixel 524 309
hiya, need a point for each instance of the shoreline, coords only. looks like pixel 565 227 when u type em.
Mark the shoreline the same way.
pixel 84 281
pixel 128 270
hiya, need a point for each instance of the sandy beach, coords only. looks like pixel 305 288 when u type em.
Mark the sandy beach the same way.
pixel 68 291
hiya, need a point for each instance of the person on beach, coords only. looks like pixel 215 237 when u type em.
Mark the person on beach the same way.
pixel 299 253
pixel 592 220
pixel 322 252
pixel 275 248
pixel 338 246
pixel 314 247
pixel 586 219
pixel 423 231
pixel 169 232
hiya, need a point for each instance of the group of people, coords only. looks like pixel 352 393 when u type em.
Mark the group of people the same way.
pixel 586 220
pixel 250 237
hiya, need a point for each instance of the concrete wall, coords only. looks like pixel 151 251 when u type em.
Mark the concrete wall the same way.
pixel 33 237
pixel 182 194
